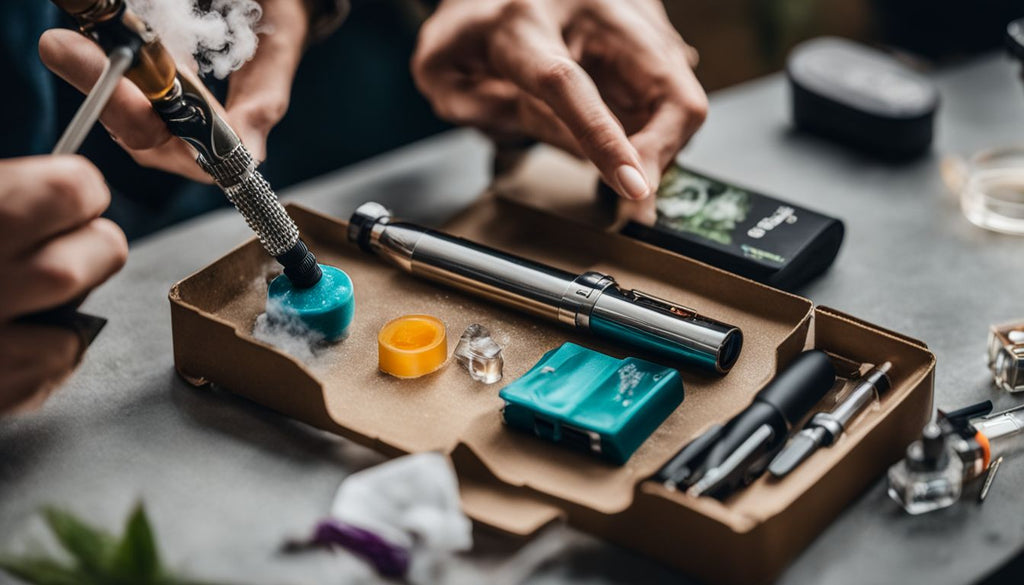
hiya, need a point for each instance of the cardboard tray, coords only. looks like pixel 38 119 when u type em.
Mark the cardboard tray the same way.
pixel 517 483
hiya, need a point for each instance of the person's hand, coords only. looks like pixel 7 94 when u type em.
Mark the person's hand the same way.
pixel 606 79
pixel 54 248
pixel 257 99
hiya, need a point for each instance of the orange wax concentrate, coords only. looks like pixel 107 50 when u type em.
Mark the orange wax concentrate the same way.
pixel 412 346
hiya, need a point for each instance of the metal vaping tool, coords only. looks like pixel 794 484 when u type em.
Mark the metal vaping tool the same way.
pixel 189 114
pixel 825 428
pixel 956 449
pixel 590 301
pixel 727 457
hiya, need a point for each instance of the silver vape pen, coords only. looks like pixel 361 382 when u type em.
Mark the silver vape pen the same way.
pixel 590 301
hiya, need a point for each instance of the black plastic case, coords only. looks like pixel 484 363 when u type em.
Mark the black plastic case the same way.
pixel 768 240
pixel 861 97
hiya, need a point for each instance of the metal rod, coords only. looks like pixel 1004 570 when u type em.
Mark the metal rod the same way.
pixel 118 62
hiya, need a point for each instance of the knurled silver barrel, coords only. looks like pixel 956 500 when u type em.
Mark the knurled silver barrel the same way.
pixel 251 194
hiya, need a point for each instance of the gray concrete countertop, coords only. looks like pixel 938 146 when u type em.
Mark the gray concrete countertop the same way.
pixel 226 481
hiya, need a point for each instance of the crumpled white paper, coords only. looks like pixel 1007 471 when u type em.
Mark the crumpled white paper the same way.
pixel 411 501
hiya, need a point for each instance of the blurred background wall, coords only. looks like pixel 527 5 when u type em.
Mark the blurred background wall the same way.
pixel 742 39
pixel 354 97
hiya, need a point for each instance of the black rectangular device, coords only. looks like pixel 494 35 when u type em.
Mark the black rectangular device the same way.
pixel 740 230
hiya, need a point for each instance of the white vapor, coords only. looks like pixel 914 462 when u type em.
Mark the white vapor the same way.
pixel 218 35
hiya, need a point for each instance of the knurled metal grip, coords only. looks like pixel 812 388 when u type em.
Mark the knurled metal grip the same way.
pixel 251 194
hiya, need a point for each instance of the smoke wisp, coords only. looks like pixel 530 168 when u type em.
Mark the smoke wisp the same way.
pixel 219 36
pixel 285 331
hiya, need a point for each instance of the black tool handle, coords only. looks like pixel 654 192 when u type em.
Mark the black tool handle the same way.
pixel 59 316
pixel 67 316
pixel 797 388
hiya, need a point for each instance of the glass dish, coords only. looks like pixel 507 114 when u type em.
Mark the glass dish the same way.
pixel 992 193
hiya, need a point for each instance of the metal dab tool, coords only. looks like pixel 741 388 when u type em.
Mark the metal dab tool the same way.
pixel 67 315
pixel 189 113
pixel 727 457
pixel 118 62
pixel 825 427
pixel 590 301
pixel 993 468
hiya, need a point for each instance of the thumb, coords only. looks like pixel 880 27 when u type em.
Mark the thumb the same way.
pixel 644 212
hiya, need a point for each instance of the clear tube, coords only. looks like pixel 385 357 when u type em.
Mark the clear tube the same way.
pixel 1005 431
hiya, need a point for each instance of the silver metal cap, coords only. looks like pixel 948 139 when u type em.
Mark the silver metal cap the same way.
pixel 360 225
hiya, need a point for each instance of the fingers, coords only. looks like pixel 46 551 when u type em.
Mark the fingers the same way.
pixel 538 120
pixel 644 212
pixel 692 56
pixel 41 197
pixel 129 115
pixel 174 156
pixel 259 92
pixel 674 122
pixel 668 105
pixel 679 115
pixel 580 71
pixel 53 248
pixel 533 55
pixel 34 360
pixel 63 269
pixel 447 68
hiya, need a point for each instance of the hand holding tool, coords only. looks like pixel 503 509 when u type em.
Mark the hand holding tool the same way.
pixel 188 110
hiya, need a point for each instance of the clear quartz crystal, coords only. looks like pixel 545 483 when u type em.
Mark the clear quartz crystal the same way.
pixel 480 354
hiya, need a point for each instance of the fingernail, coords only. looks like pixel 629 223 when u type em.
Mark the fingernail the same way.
pixel 632 182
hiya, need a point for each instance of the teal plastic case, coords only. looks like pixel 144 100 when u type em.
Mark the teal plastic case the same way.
pixel 587 400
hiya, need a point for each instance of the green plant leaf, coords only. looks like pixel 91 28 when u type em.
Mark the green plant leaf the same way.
pixel 100 558
pixel 40 571
pixel 89 546
pixel 135 560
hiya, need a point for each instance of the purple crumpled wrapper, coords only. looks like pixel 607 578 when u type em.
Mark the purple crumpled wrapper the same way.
pixel 388 559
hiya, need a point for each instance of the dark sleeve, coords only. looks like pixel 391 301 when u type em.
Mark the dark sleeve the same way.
pixel 28 109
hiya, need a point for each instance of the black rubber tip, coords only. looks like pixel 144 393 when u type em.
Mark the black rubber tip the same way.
pixel 300 266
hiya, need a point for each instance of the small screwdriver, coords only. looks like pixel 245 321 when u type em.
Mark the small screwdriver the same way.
pixel 825 427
